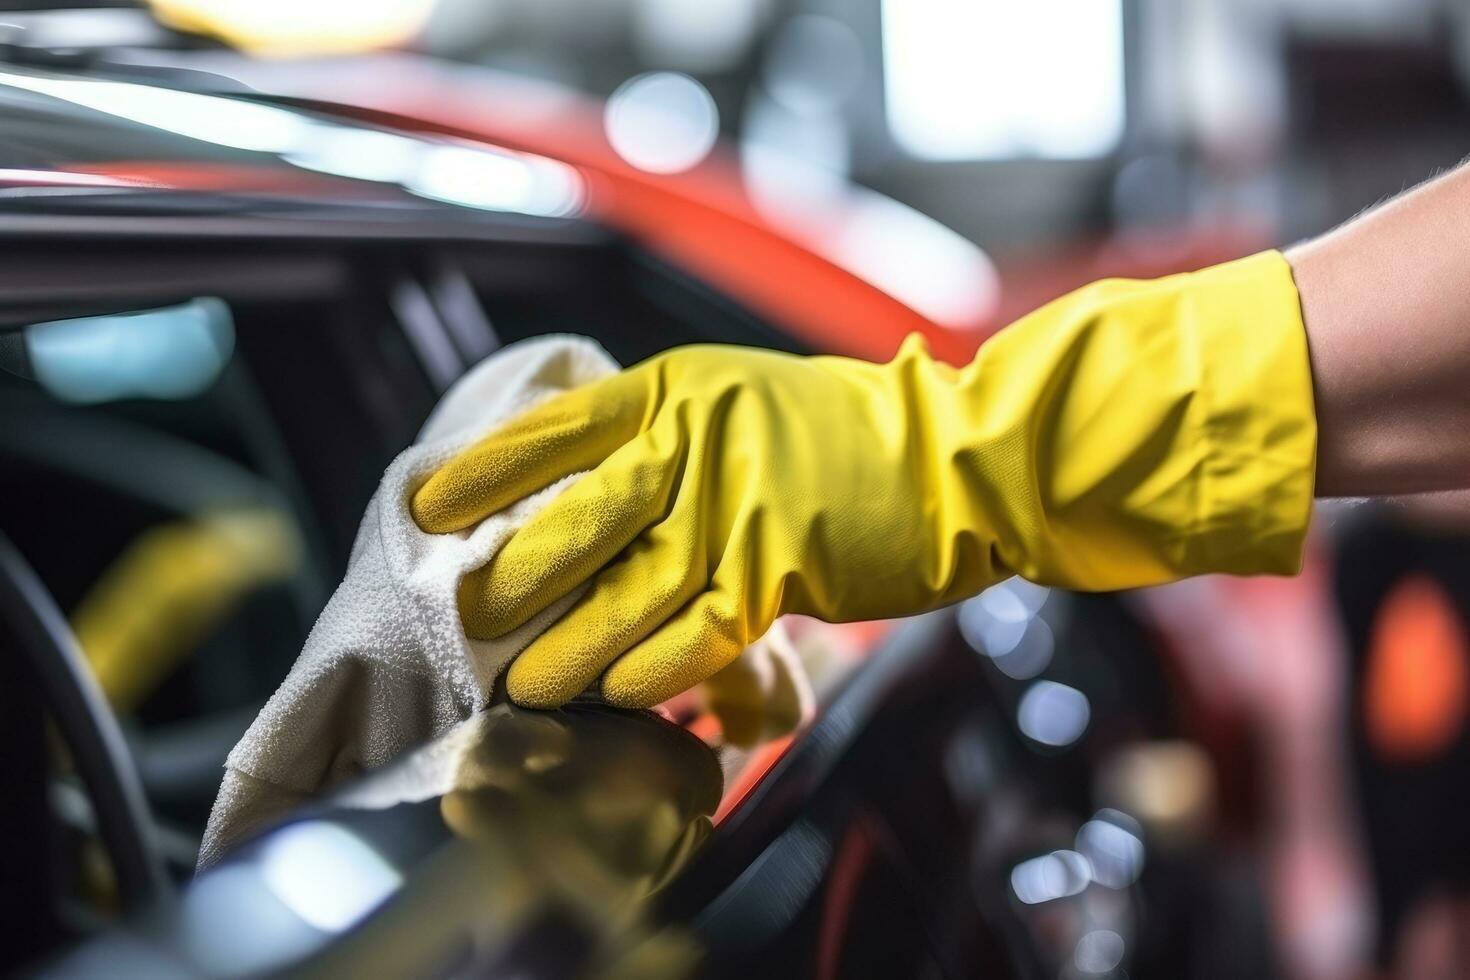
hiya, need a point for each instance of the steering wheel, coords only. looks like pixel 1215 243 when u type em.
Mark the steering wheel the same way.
pixel 31 623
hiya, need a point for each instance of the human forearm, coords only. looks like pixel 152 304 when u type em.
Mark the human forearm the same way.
pixel 1386 302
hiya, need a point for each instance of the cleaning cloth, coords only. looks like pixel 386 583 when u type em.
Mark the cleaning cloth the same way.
pixel 388 664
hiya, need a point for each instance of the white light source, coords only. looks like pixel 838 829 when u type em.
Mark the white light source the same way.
pixel 1098 952
pixel 470 177
pixel 1032 655
pixel 795 167
pixel 662 122
pixel 1053 714
pixel 325 874
pixel 224 122
pixel 466 174
pixel 494 180
pixel 994 79
pixel 362 154
pixel 1059 874
pixel 1001 624
pixel 1111 842
pixel 994 621
pixel 916 260
pixel 232 925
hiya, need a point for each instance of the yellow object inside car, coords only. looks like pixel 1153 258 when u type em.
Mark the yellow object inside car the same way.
pixel 170 588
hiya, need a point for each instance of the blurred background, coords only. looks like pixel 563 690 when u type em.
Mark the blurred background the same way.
pixel 965 160
pixel 1031 130
pixel 1066 138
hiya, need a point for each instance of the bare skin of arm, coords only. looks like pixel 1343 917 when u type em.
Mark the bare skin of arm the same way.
pixel 1386 301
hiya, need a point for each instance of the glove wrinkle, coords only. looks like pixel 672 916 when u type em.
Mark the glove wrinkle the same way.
pixel 1127 434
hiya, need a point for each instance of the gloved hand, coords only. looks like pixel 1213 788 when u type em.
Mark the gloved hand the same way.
pixel 1127 434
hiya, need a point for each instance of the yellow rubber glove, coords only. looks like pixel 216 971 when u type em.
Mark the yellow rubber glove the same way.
pixel 1127 434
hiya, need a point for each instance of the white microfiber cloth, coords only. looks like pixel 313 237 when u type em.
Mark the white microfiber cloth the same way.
pixel 388 665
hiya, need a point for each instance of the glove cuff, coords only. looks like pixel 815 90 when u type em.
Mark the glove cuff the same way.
pixel 1258 419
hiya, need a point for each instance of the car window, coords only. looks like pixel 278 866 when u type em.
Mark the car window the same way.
pixel 184 463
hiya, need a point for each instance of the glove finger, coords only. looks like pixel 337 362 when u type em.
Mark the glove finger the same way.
pixel 700 640
pixel 571 432
pixel 658 575
pixel 573 538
